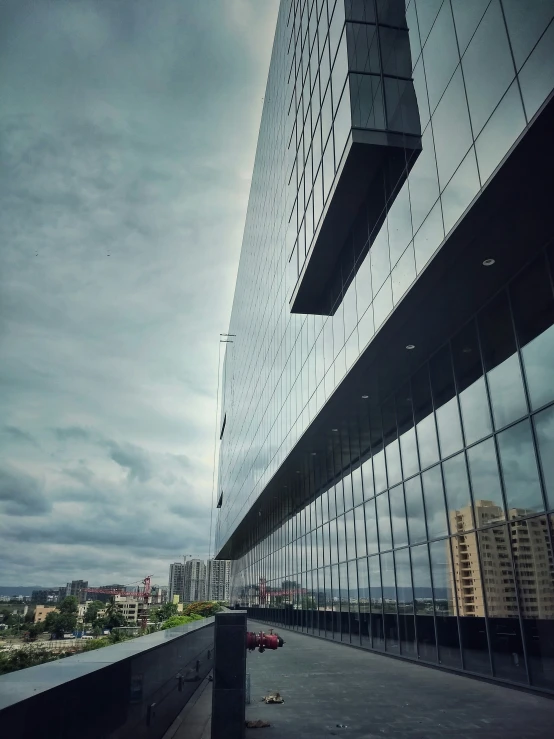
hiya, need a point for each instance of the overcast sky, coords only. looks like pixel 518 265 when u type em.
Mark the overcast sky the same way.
pixel 127 138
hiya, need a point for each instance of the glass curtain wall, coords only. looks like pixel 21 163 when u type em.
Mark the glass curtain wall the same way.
pixel 437 545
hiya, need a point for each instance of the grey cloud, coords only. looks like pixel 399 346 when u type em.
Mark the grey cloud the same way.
pixel 21 495
pixel 18 434
pixel 129 132
pixel 131 458
pixel 72 432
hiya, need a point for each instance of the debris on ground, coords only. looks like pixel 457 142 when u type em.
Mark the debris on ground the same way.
pixel 273 698
pixel 259 724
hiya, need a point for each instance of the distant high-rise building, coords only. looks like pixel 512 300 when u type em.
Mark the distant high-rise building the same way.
pixel 176 580
pixel 218 574
pixel 78 588
pixel 522 548
pixel 194 581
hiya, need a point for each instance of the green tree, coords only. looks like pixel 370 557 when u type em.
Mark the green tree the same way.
pixel 91 615
pixel 66 618
pixel 166 611
pixel 113 617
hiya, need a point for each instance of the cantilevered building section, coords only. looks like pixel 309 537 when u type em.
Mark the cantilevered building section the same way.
pixel 386 464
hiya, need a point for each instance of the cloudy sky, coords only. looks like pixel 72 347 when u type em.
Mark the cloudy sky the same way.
pixel 127 138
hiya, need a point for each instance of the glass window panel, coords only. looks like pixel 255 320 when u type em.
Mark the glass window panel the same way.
pixel 501 362
pixel 357 490
pixel 468 370
pixel 350 533
pixel 405 596
pixel 340 71
pixel 533 308
pixel 460 191
pixel 399 224
pixel 424 417
pixel 383 518
pixel 502 604
pixel 423 600
pixel 359 523
pixel 420 88
pixel 398 516
pixel 408 448
pixel 382 304
pixel 366 328
pixel 489 49
pixel 380 258
pixel 332 503
pixel 423 181
pixel 341 537
pixel 413 31
pixel 360 10
pixel 395 52
pixel 451 129
pixel 347 485
pixel 363 48
pixel 534 579
pixel 376 592
pixel 526 23
pixel 440 55
pixel 367 477
pixel 446 402
pixel 415 511
pixel 339 494
pixel 342 124
pixel 427 11
pixel 428 239
pixel 333 550
pixel 433 495
pixel 485 483
pixel 388 579
pixel 350 311
pixel 364 294
pixel 368 109
pixel 402 112
pixel 536 76
pixel 371 527
pixel 335 27
pixel 404 274
pixel 503 128
pixel 379 471
pixel 392 451
pixel 458 498
pixel 519 469
pixel 467 15
pixel 544 428
pixel 445 603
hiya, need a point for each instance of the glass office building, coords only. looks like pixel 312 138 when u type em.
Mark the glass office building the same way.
pixel 386 471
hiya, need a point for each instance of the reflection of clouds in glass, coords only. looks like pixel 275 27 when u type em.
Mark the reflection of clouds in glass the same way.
pixel 538 360
pixel 544 426
pixel 506 389
pixel 519 468
pixel 434 502
pixel 475 411
pixel 483 470
pixel 415 511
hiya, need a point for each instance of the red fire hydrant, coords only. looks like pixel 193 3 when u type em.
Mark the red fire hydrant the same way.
pixel 262 641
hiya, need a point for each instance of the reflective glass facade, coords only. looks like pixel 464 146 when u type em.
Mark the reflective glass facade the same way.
pixel 423 523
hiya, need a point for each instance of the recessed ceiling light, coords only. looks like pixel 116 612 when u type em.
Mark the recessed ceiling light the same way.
pixel 466 350
pixel 365 397
pixel 314 454
pixel 297 472
pixel 410 346
pixel 488 262
pixel 334 429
